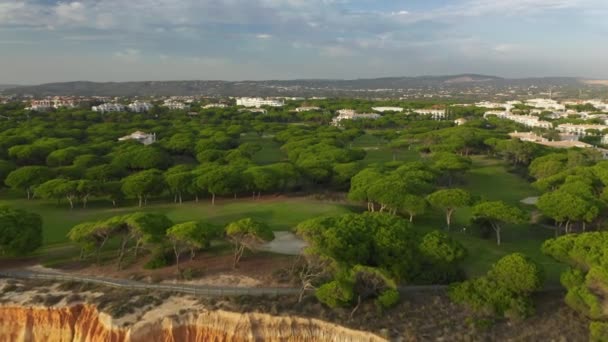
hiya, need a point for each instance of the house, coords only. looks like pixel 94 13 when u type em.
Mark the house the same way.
pixel 140 107
pixel 580 129
pixel 144 138
pixel 349 114
pixel 388 109
pixel 40 105
pixel 254 110
pixel 545 104
pixel 175 105
pixel 109 107
pixel 307 109
pixel 526 120
pixel 215 105
pixel 434 113
pixel 537 139
pixel 460 121
pixel 258 102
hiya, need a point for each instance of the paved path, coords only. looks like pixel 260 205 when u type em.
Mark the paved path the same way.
pixel 209 291
pixel 197 290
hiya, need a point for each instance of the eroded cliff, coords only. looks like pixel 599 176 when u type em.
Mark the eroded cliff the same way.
pixel 83 322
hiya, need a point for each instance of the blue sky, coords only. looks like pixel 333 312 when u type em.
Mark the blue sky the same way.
pixel 121 40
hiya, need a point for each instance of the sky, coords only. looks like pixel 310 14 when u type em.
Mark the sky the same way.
pixel 132 40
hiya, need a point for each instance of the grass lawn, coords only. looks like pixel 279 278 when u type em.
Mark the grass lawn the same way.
pixel 490 180
pixel 280 213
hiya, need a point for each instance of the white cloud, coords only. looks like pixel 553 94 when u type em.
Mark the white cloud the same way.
pixel 128 55
pixel 336 51
pixel 263 36
pixel 506 48
pixel 70 12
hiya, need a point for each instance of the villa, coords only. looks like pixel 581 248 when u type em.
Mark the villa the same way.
pixel 144 138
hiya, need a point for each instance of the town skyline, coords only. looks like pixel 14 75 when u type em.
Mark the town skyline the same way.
pixel 49 41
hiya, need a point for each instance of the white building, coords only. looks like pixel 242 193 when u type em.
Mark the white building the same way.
pixel 40 105
pixel 140 107
pixel 215 105
pixel 526 120
pixel 580 129
pixel 388 109
pixel 108 107
pixel 460 121
pixel 254 110
pixel 537 139
pixel 434 113
pixel 349 114
pixel 175 105
pixel 258 102
pixel 307 109
pixel 490 105
pixel 545 104
pixel 144 138
pixel 601 105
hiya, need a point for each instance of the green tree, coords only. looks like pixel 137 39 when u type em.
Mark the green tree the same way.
pixel 451 164
pixel 504 291
pixel 498 213
pixel 189 236
pixel 517 273
pixel 6 167
pixel 247 234
pixel 20 231
pixel 143 184
pixel 58 189
pixel 449 200
pixel 26 178
pixel 413 205
pixel 179 183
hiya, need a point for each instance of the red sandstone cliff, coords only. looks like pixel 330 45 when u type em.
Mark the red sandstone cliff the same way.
pixel 85 323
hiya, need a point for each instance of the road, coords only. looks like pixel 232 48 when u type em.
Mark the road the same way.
pixel 197 290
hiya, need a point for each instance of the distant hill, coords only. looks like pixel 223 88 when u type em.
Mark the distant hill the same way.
pixel 7 86
pixel 387 86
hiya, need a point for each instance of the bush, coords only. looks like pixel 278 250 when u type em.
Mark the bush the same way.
pixel 572 278
pixel 581 299
pixel 335 294
pixel 161 257
pixel 388 299
pixel 504 291
pixel 439 248
pixel 517 273
pixel 189 274
pixel 598 332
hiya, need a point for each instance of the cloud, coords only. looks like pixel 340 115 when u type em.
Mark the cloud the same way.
pixel 128 55
pixel 336 51
pixel 70 12
pixel 263 36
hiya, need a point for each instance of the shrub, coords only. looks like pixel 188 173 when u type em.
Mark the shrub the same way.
pixel 572 278
pixel 388 299
pixel 598 331
pixel 504 291
pixel 335 294
pixel 581 299
pixel 517 273
pixel 161 257
pixel 440 248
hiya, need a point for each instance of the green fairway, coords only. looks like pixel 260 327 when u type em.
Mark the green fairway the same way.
pixel 490 180
pixel 279 213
